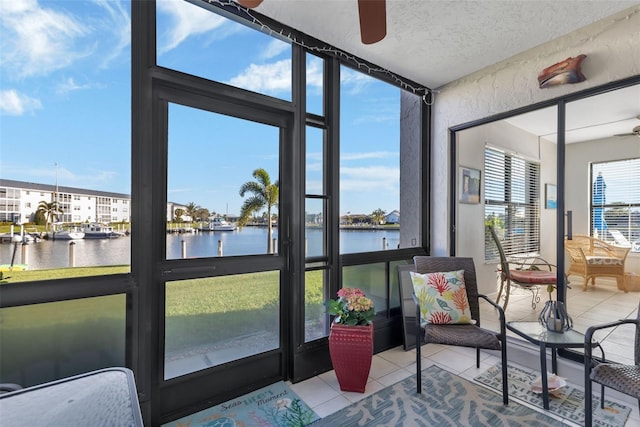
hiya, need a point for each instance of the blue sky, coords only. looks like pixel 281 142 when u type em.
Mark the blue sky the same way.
pixel 65 99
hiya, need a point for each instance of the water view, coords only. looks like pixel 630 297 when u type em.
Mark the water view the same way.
pixel 251 240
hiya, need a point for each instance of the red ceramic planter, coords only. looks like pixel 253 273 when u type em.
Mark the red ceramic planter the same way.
pixel 351 350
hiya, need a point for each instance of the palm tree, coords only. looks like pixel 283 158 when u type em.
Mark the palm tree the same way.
pixel 202 214
pixel 50 210
pixel 378 216
pixel 264 194
pixel 178 214
pixel 191 210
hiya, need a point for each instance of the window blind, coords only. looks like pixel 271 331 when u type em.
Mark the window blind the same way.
pixel 512 203
pixel 615 202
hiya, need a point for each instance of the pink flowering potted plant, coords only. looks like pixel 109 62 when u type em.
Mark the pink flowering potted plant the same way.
pixel 351 308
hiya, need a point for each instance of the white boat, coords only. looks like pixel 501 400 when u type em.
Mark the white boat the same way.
pixel 18 238
pixel 10 238
pixel 60 232
pixel 67 235
pixel 220 224
pixel 31 238
pixel 96 230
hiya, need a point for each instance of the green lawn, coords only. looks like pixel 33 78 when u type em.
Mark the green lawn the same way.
pixel 67 337
pixel 60 273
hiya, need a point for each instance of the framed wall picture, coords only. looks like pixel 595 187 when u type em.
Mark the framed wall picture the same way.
pixel 469 185
pixel 551 196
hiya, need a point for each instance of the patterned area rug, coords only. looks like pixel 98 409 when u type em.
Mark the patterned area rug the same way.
pixel 568 402
pixel 273 406
pixel 446 400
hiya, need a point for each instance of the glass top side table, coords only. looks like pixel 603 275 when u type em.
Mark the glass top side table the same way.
pixel 539 335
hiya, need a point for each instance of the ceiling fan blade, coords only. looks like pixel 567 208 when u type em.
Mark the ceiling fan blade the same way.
pixel 249 4
pixel 373 20
pixel 625 134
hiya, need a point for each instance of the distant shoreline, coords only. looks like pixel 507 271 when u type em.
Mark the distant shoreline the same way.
pixel 370 227
pixel 364 227
pixel 342 227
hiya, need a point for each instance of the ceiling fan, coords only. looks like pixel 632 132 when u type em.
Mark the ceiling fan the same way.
pixel 635 131
pixel 373 18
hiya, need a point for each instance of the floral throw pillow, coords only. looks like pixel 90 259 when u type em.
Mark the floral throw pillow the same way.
pixel 442 297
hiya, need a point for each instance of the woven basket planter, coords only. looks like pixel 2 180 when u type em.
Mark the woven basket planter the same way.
pixel 351 350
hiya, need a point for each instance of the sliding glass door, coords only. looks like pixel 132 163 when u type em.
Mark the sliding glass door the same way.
pixel 223 275
pixel 585 155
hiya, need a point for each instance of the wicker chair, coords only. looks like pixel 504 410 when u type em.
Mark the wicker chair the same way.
pixel 460 335
pixel 591 258
pixel 525 273
pixel 623 378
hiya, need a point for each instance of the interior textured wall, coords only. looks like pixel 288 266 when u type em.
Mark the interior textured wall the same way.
pixel 611 47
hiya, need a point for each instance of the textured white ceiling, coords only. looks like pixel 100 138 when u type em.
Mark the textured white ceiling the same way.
pixel 436 42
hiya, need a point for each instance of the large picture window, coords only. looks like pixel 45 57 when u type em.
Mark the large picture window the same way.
pixel 512 202
pixel 615 202
pixel 66 89
pixel 370 145
pixel 205 205
pixel 369 163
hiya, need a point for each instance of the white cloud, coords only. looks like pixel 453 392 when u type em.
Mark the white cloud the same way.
pixel 314 73
pixel 377 118
pixel 315 155
pixel 369 155
pixel 120 25
pixel 353 81
pixel 47 173
pixel 37 40
pixel 13 103
pixel 380 179
pixel 275 48
pixel 70 85
pixel 314 167
pixel 371 172
pixel 96 178
pixel 41 40
pixel 28 171
pixel 313 186
pixel 359 180
pixel 188 20
pixel 275 77
pixel 267 78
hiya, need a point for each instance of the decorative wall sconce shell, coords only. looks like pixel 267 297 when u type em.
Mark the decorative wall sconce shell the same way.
pixel 567 71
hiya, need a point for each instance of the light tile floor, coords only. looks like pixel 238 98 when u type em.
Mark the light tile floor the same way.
pixel 599 304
